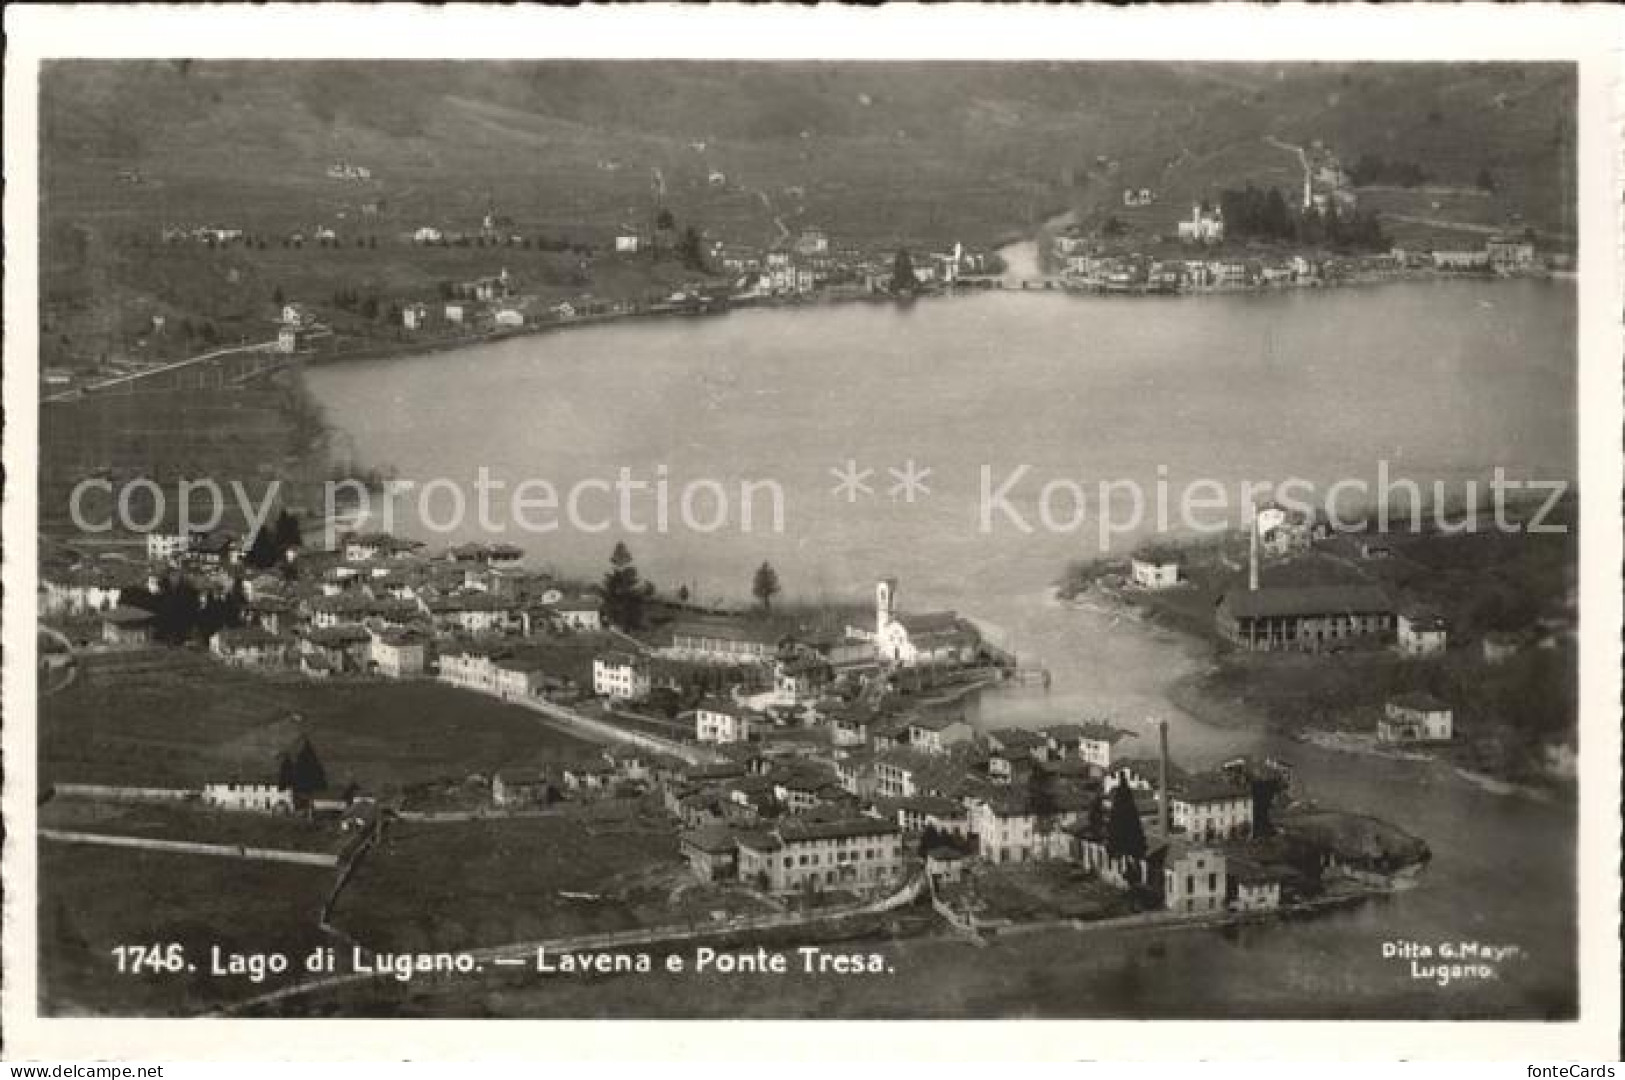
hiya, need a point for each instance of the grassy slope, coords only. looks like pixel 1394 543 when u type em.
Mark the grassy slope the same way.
pixel 161 727
pixel 93 899
pixel 448 886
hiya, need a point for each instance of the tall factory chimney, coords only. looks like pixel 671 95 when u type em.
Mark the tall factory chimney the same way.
pixel 1162 780
pixel 1252 548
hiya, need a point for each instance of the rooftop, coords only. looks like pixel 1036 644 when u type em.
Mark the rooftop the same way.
pixel 1289 600
pixel 1208 787
pixel 794 829
pixel 1419 701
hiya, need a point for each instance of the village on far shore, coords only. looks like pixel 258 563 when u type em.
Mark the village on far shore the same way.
pixel 1237 239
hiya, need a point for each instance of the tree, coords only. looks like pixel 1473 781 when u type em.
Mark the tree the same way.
pixel 691 249
pixel 1124 833
pixel 277 297
pixel 262 551
pixel 1486 179
pixel 302 771
pixel 288 536
pixel 903 279
pixel 682 594
pixel 765 586
pixel 623 592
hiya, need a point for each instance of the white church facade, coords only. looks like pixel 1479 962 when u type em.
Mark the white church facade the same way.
pixel 929 638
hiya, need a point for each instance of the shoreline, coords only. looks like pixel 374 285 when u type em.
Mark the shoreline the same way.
pixel 1186 694
pixel 406 349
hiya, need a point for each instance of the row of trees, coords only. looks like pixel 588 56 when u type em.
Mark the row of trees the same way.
pixel 368 307
pixel 626 595
pixel 1257 213
pixel 523 243
pixel 272 543
pixel 180 613
pixel 688 245
pixel 1376 169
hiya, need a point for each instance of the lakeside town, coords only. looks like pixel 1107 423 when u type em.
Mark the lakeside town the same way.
pixel 438 758
pixel 802 767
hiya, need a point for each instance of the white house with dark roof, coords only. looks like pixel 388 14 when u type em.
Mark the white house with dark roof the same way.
pixel 1195 878
pixel 518 788
pixel 725 640
pixel 127 626
pixel 1304 618
pixel 1211 806
pixel 1420 633
pixel 1416 718
pixel 253 646
pixel 937 734
pixel 718 721
pixel 804 854
pixel 621 675
pixel 399 653
pixel 1154 569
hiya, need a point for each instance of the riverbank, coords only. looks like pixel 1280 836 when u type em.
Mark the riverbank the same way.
pixel 1513 715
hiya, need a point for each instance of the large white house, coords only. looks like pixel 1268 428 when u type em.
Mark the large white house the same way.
pixel 621 676
pixel 1212 807
pixel 1194 878
pixel 1154 570
pixel 721 722
pixel 1421 633
pixel 1092 742
pixel 804 854
pixel 1416 718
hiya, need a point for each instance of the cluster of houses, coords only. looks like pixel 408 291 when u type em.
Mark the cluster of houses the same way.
pixel 345 170
pixel 375 605
pixel 906 788
pixel 1312 618
pixel 809 263
pixel 1086 266
pixel 1098 263
pixel 1500 255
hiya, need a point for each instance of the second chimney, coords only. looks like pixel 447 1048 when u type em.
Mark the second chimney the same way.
pixel 1162 780
pixel 1252 548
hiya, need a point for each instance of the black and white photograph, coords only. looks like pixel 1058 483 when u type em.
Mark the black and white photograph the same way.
pixel 568 535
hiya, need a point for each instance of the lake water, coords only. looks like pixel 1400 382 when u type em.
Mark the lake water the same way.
pixel 1443 382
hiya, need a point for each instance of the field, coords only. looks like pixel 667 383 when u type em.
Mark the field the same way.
pixel 254 435
pixel 1041 891
pixel 93 899
pixel 188 822
pixel 464 885
pixel 163 725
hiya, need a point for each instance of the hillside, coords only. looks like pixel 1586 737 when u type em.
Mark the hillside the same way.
pixel 878 154
pixel 881 151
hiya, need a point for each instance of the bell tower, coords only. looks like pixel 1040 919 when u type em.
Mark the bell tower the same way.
pixel 885 603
